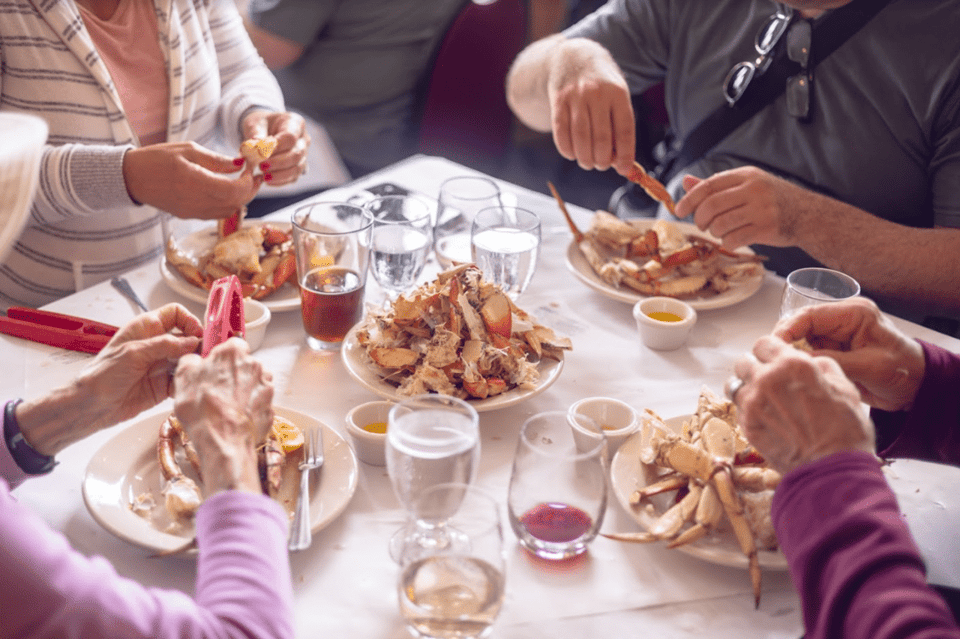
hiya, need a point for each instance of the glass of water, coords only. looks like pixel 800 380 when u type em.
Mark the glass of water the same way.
pixel 808 286
pixel 461 198
pixel 505 241
pixel 454 589
pixel 431 439
pixel 402 238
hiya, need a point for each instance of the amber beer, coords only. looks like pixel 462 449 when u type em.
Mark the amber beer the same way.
pixel 331 302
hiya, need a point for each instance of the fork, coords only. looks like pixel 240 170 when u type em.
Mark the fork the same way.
pixel 300 535
pixel 122 285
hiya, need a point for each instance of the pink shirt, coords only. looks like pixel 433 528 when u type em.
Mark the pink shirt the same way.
pixel 51 591
pixel 128 44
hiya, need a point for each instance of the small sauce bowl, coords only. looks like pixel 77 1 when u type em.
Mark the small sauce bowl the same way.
pixel 256 317
pixel 664 322
pixel 370 446
pixel 617 419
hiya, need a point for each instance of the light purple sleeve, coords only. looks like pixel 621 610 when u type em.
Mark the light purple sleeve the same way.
pixel 243 580
pixel 852 559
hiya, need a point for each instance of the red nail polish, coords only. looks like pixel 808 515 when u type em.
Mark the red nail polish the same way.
pixel 238 161
pixel 264 166
pixel 267 177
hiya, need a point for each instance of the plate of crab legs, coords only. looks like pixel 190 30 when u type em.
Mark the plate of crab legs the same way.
pixel 693 483
pixel 629 260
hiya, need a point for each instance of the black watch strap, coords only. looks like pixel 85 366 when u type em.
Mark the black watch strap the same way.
pixel 28 459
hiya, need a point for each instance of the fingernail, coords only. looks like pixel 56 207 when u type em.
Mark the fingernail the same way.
pixel 238 161
pixel 267 177
pixel 264 166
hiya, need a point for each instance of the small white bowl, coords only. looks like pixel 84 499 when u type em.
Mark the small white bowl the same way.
pixel 616 418
pixel 659 334
pixel 369 447
pixel 256 316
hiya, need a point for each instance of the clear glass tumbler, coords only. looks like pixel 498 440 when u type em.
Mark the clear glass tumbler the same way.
pixel 809 286
pixel 558 487
pixel 505 241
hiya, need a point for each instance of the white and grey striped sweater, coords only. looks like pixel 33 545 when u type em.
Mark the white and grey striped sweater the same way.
pixel 84 227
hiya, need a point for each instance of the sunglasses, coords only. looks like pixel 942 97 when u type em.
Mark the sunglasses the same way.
pixel 798 38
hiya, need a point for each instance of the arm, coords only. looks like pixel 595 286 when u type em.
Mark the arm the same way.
pixel 573 87
pixel 750 206
pixel 278 52
pixel 849 550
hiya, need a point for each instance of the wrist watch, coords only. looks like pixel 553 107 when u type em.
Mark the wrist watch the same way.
pixel 28 459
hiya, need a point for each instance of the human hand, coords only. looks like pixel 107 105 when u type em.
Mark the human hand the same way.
pixel 886 365
pixel 187 180
pixel 591 113
pixel 796 409
pixel 224 402
pixel 745 206
pixel 289 159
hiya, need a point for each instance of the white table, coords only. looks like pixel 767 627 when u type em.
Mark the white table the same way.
pixel 344 583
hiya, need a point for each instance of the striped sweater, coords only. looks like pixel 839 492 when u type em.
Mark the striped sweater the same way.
pixel 84 228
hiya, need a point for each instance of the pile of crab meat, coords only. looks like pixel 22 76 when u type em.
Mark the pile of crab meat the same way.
pixel 662 259
pixel 460 336
pixel 714 472
pixel 181 479
pixel 260 255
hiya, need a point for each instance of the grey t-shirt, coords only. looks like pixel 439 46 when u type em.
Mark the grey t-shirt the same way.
pixel 361 65
pixel 884 134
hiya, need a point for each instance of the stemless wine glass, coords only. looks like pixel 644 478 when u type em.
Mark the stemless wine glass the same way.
pixel 461 198
pixel 558 488
pixel 505 241
pixel 431 439
pixel 455 589
pixel 402 238
pixel 809 286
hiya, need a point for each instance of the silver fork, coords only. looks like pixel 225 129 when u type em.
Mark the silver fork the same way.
pixel 122 285
pixel 300 535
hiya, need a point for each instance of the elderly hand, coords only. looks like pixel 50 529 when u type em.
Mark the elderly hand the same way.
pixel 224 402
pixel 187 180
pixel 886 365
pixel 289 159
pixel 132 373
pixel 592 116
pixel 745 206
pixel 797 409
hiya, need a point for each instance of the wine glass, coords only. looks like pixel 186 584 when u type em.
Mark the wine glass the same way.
pixel 461 198
pixel 431 439
pixel 402 238
pixel 454 589
pixel 809 286
pixel 505 241
pixel 558 487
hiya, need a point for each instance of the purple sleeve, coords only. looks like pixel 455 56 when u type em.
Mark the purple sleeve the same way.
pixel 929 430
pixel 851 556
pixel 243 580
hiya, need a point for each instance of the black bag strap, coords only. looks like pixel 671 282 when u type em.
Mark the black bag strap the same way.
pixel 828 34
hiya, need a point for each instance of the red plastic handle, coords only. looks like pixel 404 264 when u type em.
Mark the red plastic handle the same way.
pixel 224 317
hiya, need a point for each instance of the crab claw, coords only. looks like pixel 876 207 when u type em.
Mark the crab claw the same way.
pixel 496 316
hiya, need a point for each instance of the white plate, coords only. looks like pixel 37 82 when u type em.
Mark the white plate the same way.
pixel 126 466
pixel 627 475
pixel 286 298
pixel 579 266
pixel 364 373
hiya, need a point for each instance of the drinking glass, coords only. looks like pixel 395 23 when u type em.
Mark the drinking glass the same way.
pixel 461 198
pixel 332 245
pixel 505 241
pixel 453 589
pixel 558 488
pixel 402 238
pixel 431 439
pixel 809 286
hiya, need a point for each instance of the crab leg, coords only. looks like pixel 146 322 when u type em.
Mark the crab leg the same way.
pixel 577 234
pixel 651 185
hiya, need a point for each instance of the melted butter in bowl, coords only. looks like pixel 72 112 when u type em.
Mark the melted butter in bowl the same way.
pixel 664 322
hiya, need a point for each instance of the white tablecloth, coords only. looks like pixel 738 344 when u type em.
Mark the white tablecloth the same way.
pixel 345 583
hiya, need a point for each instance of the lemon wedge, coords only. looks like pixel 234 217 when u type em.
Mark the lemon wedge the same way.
pixel 287 433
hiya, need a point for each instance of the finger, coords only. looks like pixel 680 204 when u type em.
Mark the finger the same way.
pixel 256 124
pixel 176 316
pixel 601 127
pixel 581 138
pixel 562 137
pixel 624 137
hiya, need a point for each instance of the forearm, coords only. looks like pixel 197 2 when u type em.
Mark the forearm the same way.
pixel 887 259
pixel 60 418
pixel 851 556
pixel 527 82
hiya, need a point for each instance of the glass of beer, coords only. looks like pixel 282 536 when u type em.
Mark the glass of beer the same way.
pixel 332 244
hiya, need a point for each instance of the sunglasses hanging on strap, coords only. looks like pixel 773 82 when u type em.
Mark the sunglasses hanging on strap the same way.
pixel 753 84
